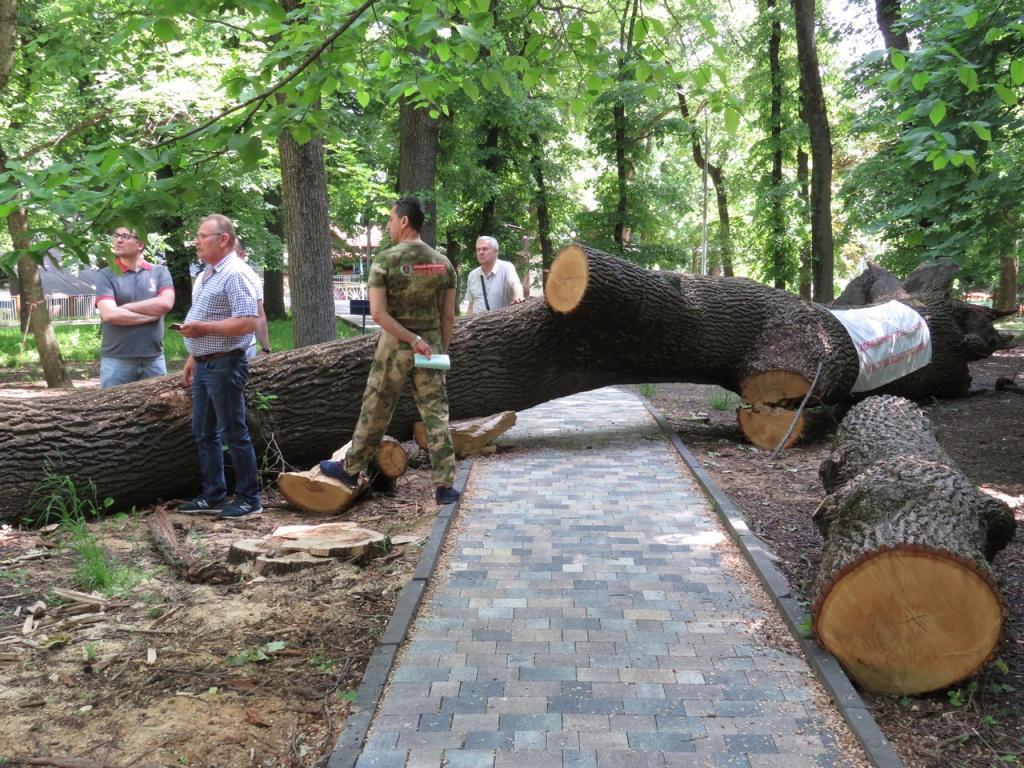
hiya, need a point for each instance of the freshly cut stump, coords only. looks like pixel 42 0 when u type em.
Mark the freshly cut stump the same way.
pixel 765 426
pixel 263 554
pixel 353 544
pixel 773 387
pixel 905 597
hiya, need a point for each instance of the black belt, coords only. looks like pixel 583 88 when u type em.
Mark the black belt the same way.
pixel 215 355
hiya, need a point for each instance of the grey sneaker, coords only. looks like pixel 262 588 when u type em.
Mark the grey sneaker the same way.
pixel 200 506
pixel 238 508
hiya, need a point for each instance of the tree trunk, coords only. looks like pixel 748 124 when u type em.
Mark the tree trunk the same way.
pixel 667 328
pixel 888 14
pixel 621 173
pixel 715 172
pixel 31 295
pixel 806 269
pixel 547 253
pixel 492 163
pixel 179 255
pixel 777 251
pixel 821 151
pixel 8 38
pixel 307 225
pixel 273 274
pixel 418 138
pixel 1005 297
pixel 905 597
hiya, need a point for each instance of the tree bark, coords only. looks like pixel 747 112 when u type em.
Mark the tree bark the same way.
pixel 492 162
pixel 821 150
pixel 667 328
pixel 418 139
pixel 307 225
pixel 806 269
pixel 905 597
pixel 547 253
pixel 888 14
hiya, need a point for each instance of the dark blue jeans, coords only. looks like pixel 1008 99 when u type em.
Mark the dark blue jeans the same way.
pixel 218 408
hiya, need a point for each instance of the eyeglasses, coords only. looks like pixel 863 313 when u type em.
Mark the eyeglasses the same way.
pixel 201 235
pixel 123 236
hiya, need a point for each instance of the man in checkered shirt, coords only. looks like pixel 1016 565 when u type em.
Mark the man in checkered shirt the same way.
pixel 218 330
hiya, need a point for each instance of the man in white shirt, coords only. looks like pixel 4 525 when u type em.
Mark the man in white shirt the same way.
pixel 494 284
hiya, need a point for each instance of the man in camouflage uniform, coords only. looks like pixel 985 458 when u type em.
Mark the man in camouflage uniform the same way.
pixel 412 299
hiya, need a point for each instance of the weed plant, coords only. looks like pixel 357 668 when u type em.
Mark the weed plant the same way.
pixel 723 400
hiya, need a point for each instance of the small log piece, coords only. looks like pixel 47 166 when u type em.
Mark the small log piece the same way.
pixel 315 492
pixel 905 597
pixel 471 436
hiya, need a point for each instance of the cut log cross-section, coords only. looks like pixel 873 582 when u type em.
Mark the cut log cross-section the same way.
pixel 313 491
pixel 905 597
pixel 609 322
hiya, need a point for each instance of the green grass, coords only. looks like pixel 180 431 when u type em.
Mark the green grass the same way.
pixel 723 400
pixel 80 343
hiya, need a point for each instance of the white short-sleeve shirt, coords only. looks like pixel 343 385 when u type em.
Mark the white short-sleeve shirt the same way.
pixel 501 287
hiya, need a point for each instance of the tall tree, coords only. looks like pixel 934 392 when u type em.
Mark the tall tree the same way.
pixel 777 215
pixel 822 253
pixel 418 136
pixel 888 14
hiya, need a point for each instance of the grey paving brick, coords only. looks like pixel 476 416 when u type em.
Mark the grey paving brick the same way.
pixel 764 745
pixel 468 758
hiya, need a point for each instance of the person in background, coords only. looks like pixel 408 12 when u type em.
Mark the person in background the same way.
pixel 218 330
pixel 132 301
pixel 494 284
pixel 412 299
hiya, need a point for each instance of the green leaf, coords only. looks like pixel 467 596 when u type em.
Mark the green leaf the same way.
pixel 250 152
pixel 503 84
pixel 274 646
pixel 643 71
pixel 579 106
pixel 443 51
pixel 971 19
pixel 470 89
pixel 939 162
pixel 1017 71
pixel 363 98
pixel 968 77
pixel 708 26
pixel 384 60
pixel 920 80
pixel 1006 94
pixel 732 120
pixel 899 61
pixel 1001 666
pixel 982 130
pixel 165 30
pixel 575 30
pixel 956 159
pixel 301 133
pixel 530 79
pixel 594 83
pixel 938 112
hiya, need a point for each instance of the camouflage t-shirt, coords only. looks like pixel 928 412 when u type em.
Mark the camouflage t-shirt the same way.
pixel 416 278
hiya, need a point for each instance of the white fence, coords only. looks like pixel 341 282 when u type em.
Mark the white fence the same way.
pixel 348 287
pixel 61 308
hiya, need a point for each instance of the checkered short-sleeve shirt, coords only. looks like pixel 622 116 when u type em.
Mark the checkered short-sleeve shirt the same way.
pixel 226 293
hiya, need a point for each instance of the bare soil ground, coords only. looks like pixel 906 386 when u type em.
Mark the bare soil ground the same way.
pixel 979 723
pixel 262 671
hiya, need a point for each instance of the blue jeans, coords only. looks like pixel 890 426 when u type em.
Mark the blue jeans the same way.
pixel 218 408
pixel 124 370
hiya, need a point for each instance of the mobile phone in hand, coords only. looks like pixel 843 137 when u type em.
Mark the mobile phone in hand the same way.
pixel 176 326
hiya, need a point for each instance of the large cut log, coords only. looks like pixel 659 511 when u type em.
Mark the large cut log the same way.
pixel 626 325
pixel 905 597
pixel 471 437
pixel 313 491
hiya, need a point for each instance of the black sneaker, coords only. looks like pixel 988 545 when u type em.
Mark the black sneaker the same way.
pixel 238 508
pixel 446 495
pixel 336 470
pixel 200 506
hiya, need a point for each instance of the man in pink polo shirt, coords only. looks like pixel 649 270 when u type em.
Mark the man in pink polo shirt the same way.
pixel 132 300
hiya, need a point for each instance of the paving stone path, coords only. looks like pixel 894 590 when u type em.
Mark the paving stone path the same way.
pixel 585 620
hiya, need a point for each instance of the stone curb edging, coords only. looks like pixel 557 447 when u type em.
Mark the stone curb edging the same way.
pixel 825 666
pixel 350 742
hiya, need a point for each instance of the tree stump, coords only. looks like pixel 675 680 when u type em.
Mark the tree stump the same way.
pixel 315 492
pixel 905 597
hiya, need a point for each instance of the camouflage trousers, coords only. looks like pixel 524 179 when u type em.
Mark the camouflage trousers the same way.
pixel 392 366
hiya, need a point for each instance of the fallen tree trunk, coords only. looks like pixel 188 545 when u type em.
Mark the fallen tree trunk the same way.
pixel 473 437
pixel 628 326
pixel 905 597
